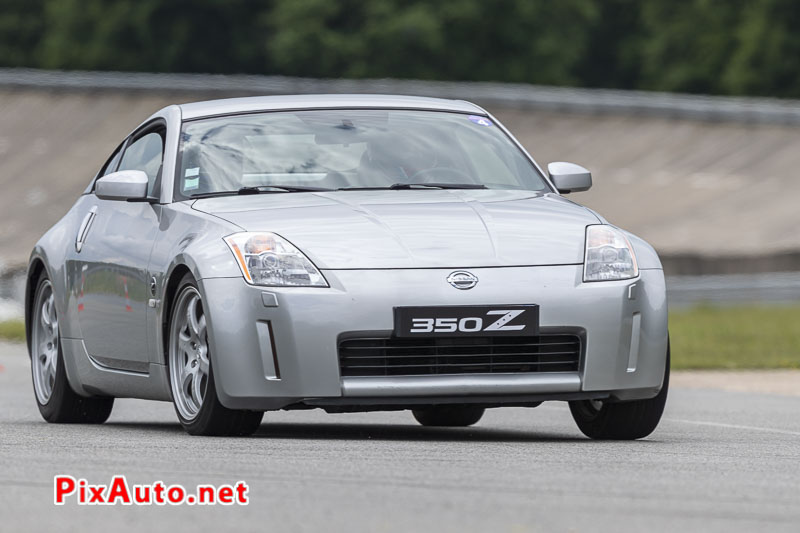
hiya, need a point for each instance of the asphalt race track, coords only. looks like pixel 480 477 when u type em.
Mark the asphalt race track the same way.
pixel 720 461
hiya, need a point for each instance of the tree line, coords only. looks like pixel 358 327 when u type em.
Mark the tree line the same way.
pixel 735 47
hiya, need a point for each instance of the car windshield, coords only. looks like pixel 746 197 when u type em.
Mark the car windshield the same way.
pixel 343 149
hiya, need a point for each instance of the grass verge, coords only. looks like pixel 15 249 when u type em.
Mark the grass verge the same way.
pixel 702 337
pixel 12 330
pixel 735 337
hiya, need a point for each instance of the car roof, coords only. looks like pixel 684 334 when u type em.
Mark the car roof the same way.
pixel 230 106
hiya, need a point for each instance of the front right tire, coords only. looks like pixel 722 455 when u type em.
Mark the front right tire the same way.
pixel 194 393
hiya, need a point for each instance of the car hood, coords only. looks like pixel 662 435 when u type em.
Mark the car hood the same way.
pixel 416 228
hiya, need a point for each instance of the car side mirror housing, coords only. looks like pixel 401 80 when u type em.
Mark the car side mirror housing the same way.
pixel 125 185
pixel 569 177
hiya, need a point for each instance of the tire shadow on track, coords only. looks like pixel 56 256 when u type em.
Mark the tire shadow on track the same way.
pixel 392 432
pixel 377 432
pixel 348 431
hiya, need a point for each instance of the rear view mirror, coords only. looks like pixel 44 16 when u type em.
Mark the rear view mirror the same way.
pixel 123 185
pixel 569 177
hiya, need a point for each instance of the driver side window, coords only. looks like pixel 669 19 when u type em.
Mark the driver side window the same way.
pixel 146 154
pixel 111 164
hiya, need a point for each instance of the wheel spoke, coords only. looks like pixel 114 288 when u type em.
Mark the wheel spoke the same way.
pixel 202 357
pixel 201 328
pixel 191 315
pixel 47 365
pixel 43 363
pixel 197 378
pixel 50 371
pixel 187 369
pixel 51 307
pixel 185 347
pixel 186 381
pixel 44 315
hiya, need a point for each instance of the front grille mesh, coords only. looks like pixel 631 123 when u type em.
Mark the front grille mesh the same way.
pixel 459 355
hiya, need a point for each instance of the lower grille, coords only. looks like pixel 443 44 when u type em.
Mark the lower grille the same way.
pixel 459 355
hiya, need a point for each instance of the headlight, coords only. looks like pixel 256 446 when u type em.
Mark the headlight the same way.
pixel 270 260
pixel 609 255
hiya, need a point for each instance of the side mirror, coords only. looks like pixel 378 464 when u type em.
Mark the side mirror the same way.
pixel 128 185
pixel 569 177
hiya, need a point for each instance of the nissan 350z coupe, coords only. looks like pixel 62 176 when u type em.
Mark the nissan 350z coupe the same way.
pixel 349 253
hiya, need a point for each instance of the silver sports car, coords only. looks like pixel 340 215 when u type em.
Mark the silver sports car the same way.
pixel 349 253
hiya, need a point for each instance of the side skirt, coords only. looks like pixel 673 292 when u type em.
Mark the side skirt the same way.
pixel 89 377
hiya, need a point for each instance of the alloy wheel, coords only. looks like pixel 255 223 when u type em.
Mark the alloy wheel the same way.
pixel 44 343
pixel 188 354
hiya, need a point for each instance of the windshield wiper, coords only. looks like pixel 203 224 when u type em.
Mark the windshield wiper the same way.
pixel 259 190
pixel 438 185
pixel 268 189
pixel 404 186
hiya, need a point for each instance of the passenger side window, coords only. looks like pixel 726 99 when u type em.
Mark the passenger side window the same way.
pixel 146 154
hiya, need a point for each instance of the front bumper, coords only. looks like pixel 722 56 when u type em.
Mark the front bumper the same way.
pixel 273 347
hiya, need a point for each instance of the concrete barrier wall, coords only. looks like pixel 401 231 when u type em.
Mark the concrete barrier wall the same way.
pixel 711 182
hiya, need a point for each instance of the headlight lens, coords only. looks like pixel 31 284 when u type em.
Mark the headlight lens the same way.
pixel 609 255
pixel 270 260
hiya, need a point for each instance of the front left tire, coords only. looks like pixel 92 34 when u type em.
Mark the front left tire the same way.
pixel 194 393
pixel 56 400
pixel 627 420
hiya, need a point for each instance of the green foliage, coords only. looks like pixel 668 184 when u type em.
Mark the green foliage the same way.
pixel 687 45
pixel 151 35
pixel 702 46
pixel 767 60
pixel 21 28
pixel 13 330
pixel 459 39
pixel 735 337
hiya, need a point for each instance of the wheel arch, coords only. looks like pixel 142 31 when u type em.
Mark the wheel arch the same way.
pixel 35 269
pixel 170 292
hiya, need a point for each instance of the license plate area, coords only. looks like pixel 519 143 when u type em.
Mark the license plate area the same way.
pixel 466 321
